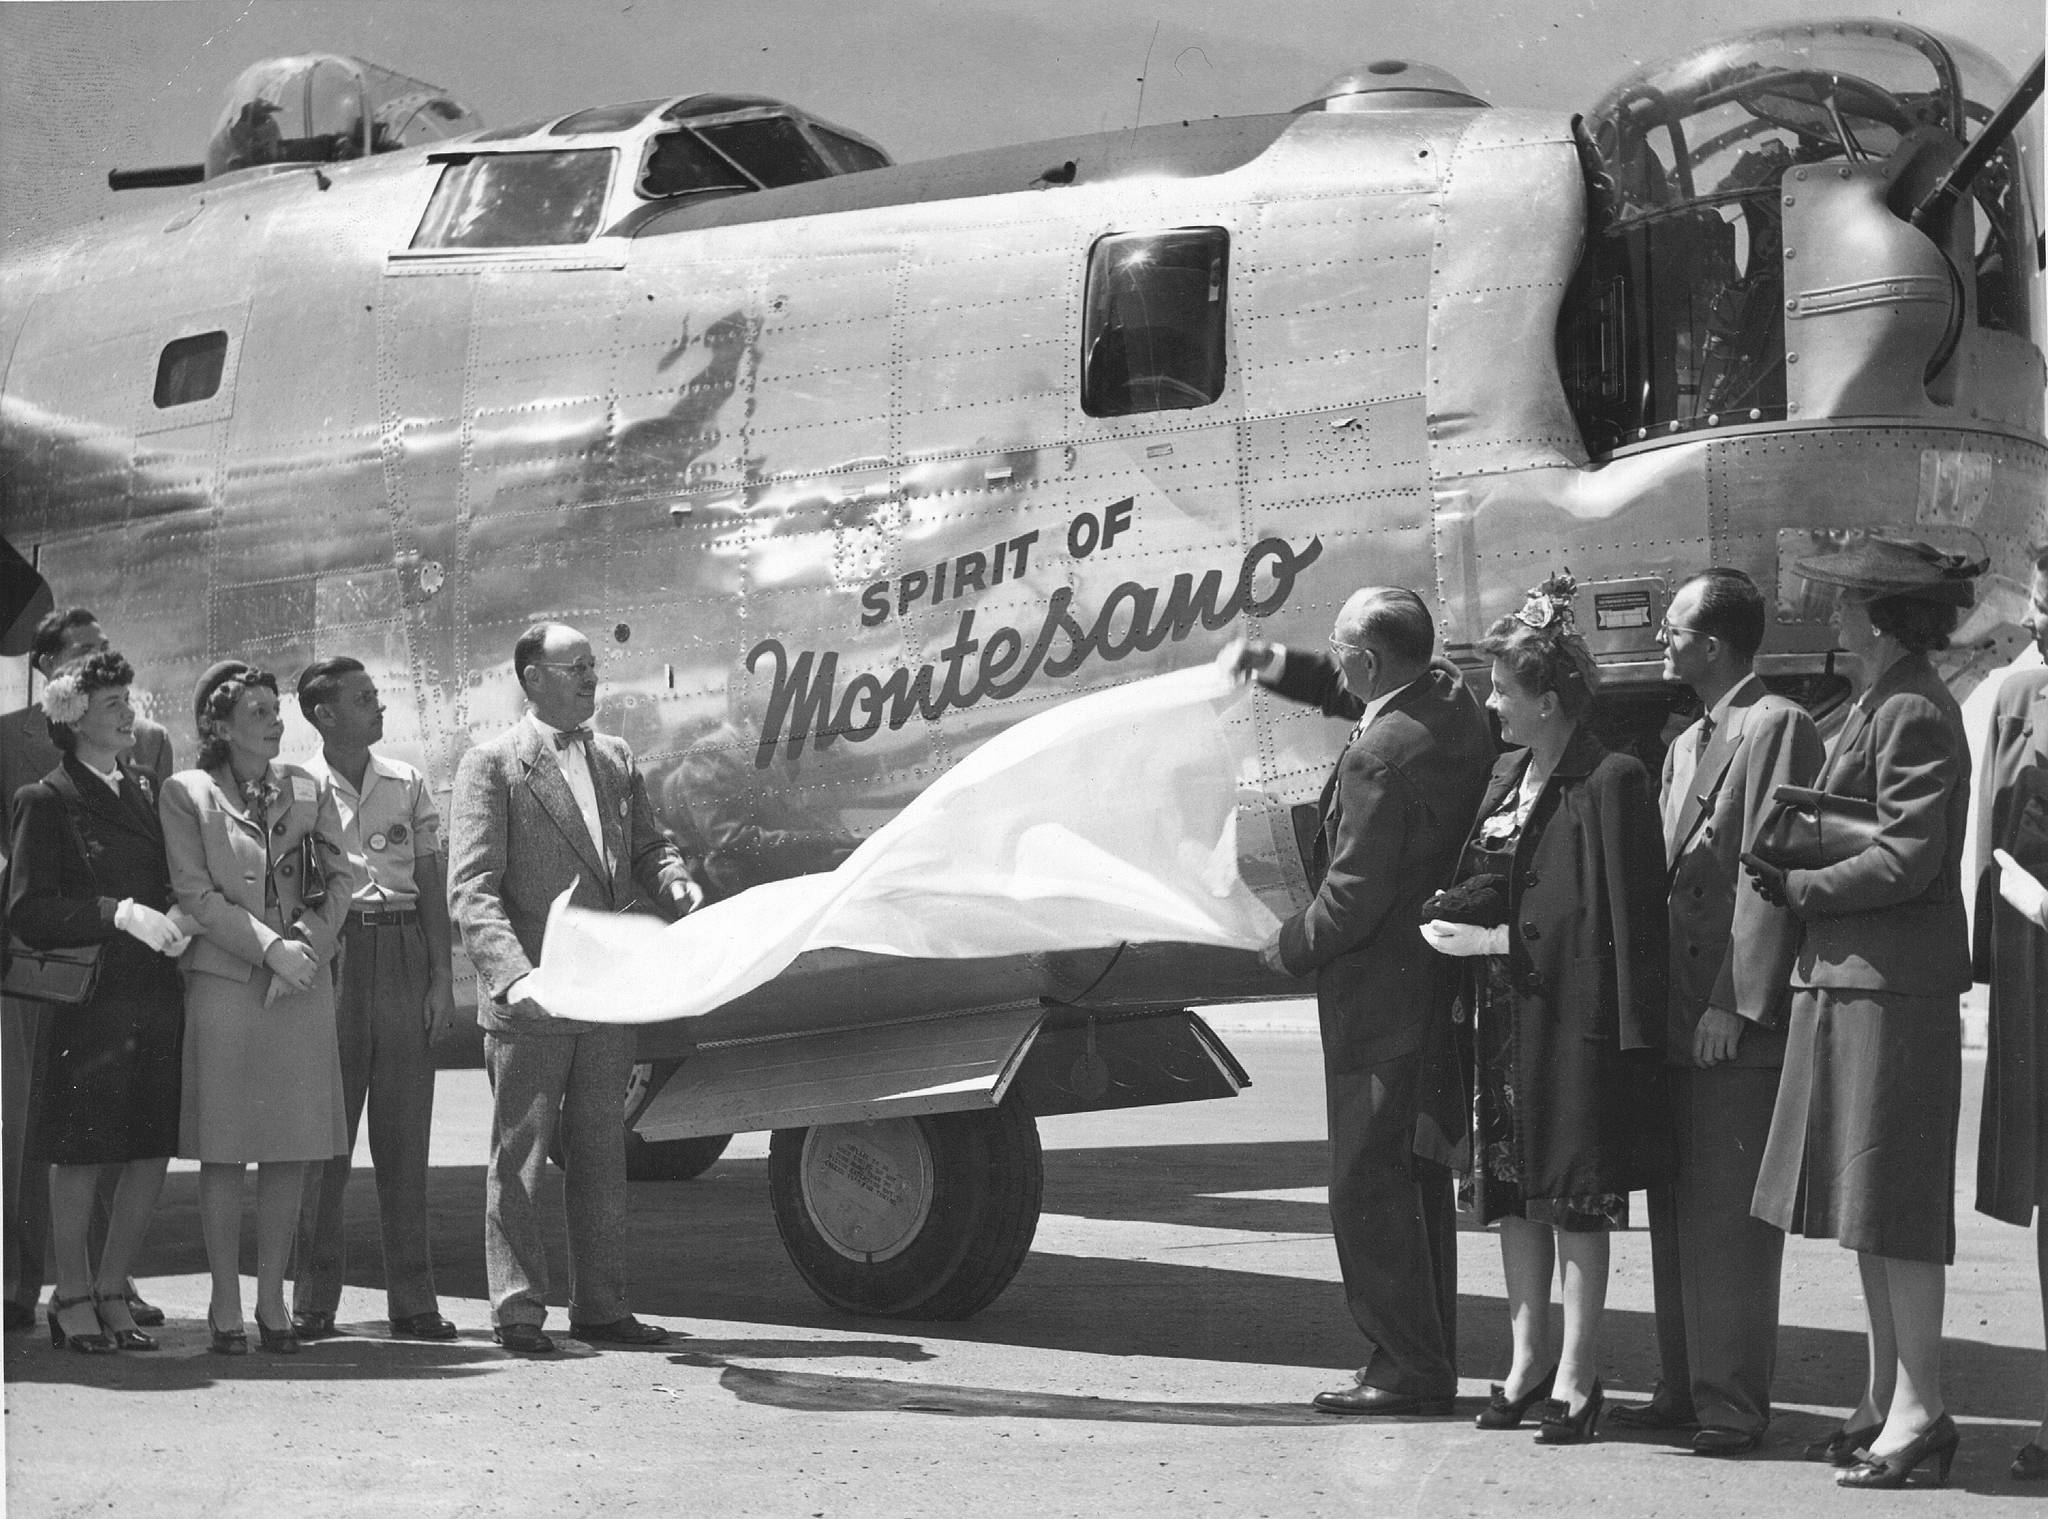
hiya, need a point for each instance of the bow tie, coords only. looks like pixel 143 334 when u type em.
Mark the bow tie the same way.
pixel 569 736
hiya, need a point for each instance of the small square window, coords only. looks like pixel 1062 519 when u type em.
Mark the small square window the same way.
pixel 1153 339
pixel 190 369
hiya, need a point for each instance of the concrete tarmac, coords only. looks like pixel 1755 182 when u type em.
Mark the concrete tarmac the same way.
pixel 1155 1355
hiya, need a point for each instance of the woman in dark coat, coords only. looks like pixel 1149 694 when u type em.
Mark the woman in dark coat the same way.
pixel 2012 954
pixel 88 867
pixel 1568 1006
pixel 1862 1146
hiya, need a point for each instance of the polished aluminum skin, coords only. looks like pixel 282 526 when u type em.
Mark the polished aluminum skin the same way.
pixel 811 464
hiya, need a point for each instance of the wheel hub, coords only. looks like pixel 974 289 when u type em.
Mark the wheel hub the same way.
pixel 868 1186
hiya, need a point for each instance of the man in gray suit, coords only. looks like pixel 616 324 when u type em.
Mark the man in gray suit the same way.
pixel 1715 1268
pixel 545 807
pixel 27 754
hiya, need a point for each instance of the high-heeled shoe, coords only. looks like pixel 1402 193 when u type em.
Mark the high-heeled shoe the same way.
pixel 1839 1448
pixel 1502 1412
pixel 95 1343
pixel 1936 1443
pixel 129 1337
pixel 225 1341
pixel 1563 1427
pixel 2029 1463
pixel 283 1341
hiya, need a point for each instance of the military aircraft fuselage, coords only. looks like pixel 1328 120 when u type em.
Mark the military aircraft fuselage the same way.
pixel 844 476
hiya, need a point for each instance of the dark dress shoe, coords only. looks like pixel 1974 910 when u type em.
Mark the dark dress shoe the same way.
pixel 313 1325
pixel 19 1316
pixel 1360 1399
pixel 1503 1412
pixel 527 1339
pixel 423 1326
pixel 2030 1463
pixel 225 1341
pixel 283 1341
pixel 625 1331
pixel 1561 1426
pixel 146 1315
pixel 1718 1440
pixel 1659 1413
pixel 1839 1448
pixel 1936 1443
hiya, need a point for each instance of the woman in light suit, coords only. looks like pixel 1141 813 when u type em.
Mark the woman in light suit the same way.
pixel 262 1069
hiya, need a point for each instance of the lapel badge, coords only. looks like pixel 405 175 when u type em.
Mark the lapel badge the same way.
pixel 398 835
pixel 377 841
pixel 622 806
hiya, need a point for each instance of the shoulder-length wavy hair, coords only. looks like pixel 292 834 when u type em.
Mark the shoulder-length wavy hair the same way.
pixel 218 707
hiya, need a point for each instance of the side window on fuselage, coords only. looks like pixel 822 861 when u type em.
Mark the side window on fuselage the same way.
pixel 1153 334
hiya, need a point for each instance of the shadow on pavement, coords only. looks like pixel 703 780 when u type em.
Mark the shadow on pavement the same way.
pixel 708 1249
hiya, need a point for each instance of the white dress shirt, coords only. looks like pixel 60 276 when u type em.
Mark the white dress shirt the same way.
pixel 1686 752
pixel 574 760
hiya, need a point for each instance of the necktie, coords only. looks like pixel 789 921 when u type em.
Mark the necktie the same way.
pixel 1706 736
pixel 570 736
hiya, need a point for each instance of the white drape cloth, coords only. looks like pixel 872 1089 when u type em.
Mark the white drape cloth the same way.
pixel 1110 818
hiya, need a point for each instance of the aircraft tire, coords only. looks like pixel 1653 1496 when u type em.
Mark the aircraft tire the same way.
pixel 949 1201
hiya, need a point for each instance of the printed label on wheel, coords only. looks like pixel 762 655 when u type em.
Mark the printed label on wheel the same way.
pixel 868 1186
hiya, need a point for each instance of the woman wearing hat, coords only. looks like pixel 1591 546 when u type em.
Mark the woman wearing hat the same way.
pixel 262 1068
pixel 1560 906
pixel 1863 1140
pixel 87 867
pixel 2012 954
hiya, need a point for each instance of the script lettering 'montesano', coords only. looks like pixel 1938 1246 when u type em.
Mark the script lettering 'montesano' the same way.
pixel 807 705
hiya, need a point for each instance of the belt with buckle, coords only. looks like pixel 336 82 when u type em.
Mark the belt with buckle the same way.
pixel 382 917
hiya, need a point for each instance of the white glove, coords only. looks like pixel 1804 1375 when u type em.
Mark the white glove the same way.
pixel 150 927
pixel 1465 938
pixel 185 923
pixel 2022 889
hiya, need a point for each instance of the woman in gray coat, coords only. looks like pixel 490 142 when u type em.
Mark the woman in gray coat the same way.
pixel 1863 1139
pixel 262 1067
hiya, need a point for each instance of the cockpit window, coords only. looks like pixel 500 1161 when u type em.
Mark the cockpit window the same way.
pixel 847 155
pixel 1676 318
pixel 1153 338
pixel 604 118
pixel 679 163
pixel 517 200
pixel 770 148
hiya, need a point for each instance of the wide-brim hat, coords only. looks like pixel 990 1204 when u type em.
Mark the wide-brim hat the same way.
pixel 1879 567
pixel 216 676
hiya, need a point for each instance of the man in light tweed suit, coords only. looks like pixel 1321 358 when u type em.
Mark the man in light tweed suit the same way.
pixel 544 807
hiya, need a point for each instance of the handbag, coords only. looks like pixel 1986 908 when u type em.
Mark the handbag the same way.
pixel 63 977
pixel 1810 830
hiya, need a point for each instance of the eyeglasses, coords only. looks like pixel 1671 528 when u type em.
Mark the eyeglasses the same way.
pixel 1340 646
pixel 578 667
pixel 1669 630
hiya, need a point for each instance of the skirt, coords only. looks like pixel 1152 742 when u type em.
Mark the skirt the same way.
pixel 109 1086
pixel 261 1083
pixel 1862 1147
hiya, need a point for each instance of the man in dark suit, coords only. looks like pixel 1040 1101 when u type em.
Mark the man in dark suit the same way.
pixel 1714 1267
pixel 547 807
pixel 27 754
pixel 1394 815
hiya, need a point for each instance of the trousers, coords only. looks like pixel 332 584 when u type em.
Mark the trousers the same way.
pixel 1714 1268
pixel 539 1082
pixel 386 1066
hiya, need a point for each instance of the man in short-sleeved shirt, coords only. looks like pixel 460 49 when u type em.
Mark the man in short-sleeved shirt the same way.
pixel 396 990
